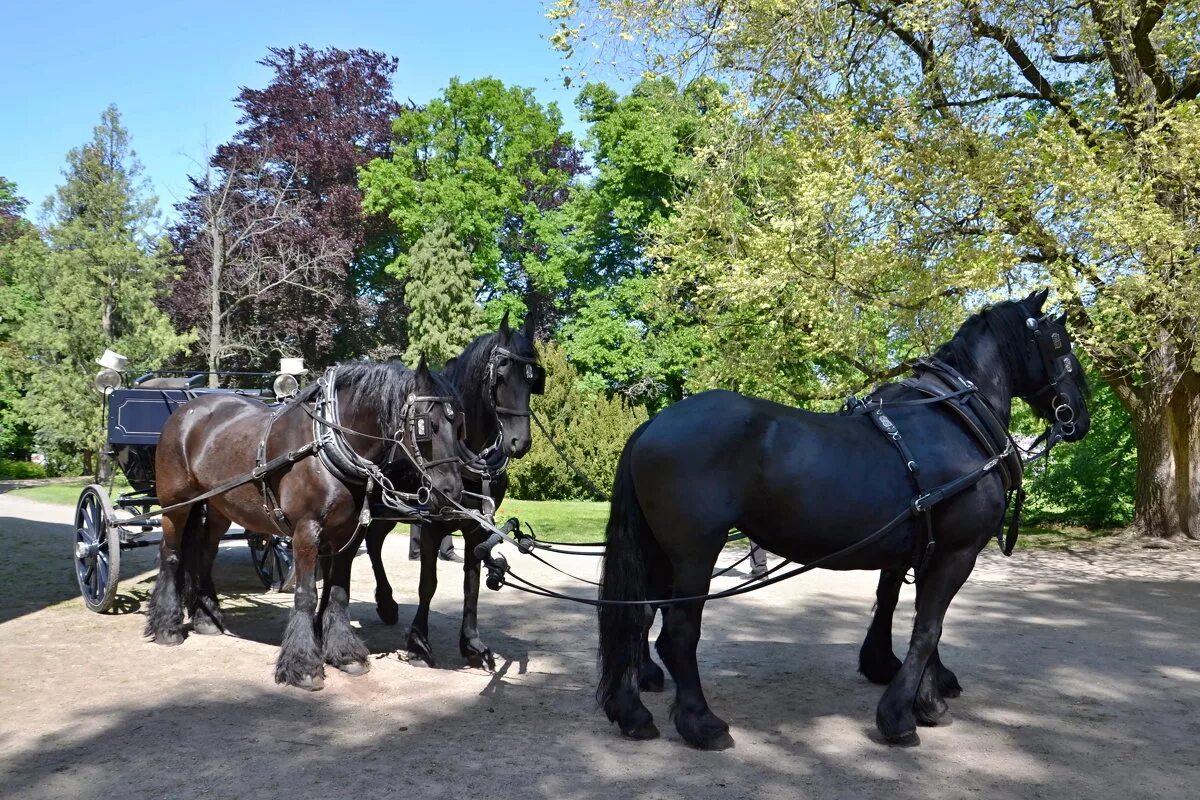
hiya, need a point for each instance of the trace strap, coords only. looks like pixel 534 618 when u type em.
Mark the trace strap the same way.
pixel 499 572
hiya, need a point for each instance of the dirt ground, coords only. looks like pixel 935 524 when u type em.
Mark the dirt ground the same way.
pixel 1081 675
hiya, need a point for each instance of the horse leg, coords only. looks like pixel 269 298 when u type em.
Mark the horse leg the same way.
pixel 876 661
pixel 944 576
pixel 694 720
pixel 164 617
pixel 418 634
pixel 650 675
pixel 341 646
pixel 470 645
pixel 203 606
pixel 300 661
pixel 385 603
pixel 947 682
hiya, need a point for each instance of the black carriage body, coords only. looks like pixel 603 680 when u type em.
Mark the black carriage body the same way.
pixel 135 421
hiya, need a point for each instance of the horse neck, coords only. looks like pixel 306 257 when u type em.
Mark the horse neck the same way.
pixel 362 415
pixel 986 368
pixel 471 382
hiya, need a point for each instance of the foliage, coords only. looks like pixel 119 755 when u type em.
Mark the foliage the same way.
pixel 15 435
pixel 590 427
pixel 440 294
pixel 895 162
pixel 289 179
pixel 626 332
pixel 497 166
pixel 91 285
pixel 1089 483
pixel 12 206
pixel 13 469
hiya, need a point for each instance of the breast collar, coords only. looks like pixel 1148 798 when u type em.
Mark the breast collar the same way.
pixel 937 379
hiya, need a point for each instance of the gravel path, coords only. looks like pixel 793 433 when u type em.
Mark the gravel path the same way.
pixel 1082 677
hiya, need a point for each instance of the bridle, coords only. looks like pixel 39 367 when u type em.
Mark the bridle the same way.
pixel 1055 355
pixel 491 462
pixel 533 373
pixel 415 424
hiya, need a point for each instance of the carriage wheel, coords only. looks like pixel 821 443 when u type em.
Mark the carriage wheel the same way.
pixel 97 549
pixel 272 558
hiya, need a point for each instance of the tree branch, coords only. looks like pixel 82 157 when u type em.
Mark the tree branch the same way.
pixel 978 101
pixel 1031 73
pixel 1147 57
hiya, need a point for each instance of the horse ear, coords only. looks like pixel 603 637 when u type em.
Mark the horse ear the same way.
pixel 527 327
pixel 423 369
pixel 504 329
pixel 1036 300
pixel 1062 320
pixel 453 360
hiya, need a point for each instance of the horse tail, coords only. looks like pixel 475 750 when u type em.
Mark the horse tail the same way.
pixel 632 558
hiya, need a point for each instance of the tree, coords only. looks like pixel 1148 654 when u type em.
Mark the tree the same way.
pixel 913 158
pixel 323 115
pixel 443 317
pixel 626 332
pixel 91 286
pixel 245 235
pixel 497 167
pixel 590 427
pixel 17 236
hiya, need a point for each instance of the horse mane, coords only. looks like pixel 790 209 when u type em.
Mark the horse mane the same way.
pixel 1006 321
pixel 387 385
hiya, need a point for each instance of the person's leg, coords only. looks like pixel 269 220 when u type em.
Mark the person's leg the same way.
pixel 758 561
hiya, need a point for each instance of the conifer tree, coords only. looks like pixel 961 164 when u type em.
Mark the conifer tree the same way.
pixel 441 289
pixel 93 286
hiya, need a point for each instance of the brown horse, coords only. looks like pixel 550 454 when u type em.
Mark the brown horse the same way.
pixel 393 426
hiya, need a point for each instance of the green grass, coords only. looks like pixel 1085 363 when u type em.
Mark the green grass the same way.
pixel 584 521
pixel 66 494
pixel 559 520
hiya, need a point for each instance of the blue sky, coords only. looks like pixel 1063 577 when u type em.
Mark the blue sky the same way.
pixel 173 69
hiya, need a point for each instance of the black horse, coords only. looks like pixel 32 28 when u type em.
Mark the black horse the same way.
pixel 808 487
pixel 495 376
pixel 391 426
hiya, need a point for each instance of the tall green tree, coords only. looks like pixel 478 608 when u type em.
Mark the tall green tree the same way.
pixel 440 294
pixel 920 157
pixel 92 285
pixel 590 427
pixel 16 237
pixel 497 166
pixel 628 331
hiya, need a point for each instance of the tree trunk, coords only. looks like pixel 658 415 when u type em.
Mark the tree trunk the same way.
pixel 1167 497
pixel 214 304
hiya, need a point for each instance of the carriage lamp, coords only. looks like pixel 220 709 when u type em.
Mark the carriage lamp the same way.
pixel 286 385
pixel 108 379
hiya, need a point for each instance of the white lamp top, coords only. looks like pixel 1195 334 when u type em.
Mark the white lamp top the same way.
pixel 112 360
pixel 291 366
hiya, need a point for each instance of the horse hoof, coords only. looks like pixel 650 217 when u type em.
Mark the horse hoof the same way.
pixel 652 680
pixel 388 614
pixel 206 627
pixel 354 668
pixel 905 739
pixel 948 685
pixel 647 731
pixel 169 638
pixel 722 741
pixel 311 683
pixel 418 646
pixel 879 671
pixel 484 660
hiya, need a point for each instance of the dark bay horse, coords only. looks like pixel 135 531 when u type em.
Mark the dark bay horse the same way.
pixel 400 426
pixel 807 486
pixel 495 376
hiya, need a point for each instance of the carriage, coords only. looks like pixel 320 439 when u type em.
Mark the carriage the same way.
pixel 106 526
